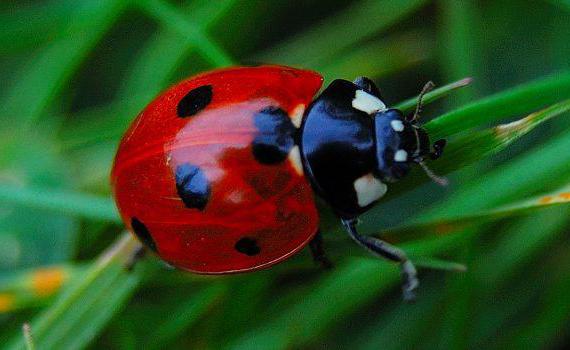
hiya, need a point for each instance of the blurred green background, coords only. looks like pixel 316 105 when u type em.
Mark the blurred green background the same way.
pixel 75 72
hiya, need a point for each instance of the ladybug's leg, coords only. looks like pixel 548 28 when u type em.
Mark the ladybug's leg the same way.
pixel 387 251
pixel 318 251
pixel 367 85
pixel 136 255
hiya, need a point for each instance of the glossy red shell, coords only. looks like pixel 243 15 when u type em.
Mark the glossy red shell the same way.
pixel 273 204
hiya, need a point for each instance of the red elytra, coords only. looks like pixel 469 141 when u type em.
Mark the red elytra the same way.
pixel 245 215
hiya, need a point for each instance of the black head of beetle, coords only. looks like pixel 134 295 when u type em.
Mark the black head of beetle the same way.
pixel 401 143
pixel 353 145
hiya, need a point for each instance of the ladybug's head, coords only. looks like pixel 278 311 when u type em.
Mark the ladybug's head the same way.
pixel 401 143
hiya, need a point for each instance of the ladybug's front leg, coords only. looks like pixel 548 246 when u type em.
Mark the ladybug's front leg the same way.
pixel 387 251
pixel 318 251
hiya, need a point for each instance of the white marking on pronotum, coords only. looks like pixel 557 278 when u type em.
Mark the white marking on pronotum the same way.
pixel 397 125
pixel 369 189
pixel 366 102
pixel 401 156
pixel 295 159
pixel 297 115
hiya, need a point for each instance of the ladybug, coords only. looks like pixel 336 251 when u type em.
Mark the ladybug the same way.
pixel 218 174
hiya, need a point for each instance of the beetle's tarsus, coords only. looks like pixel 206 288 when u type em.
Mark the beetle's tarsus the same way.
pixel 410 281
pixel 385 250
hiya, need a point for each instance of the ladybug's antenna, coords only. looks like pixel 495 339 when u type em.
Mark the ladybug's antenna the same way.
pixel 440 180
pixel 419 106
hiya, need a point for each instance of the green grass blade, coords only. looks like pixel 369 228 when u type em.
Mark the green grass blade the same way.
pixel 447 224
pixel 31 288
pixel 170 17
pixel 410 104
pixel 166 50
pixel 400 326
pixel 548 325
pixel 186 315
pixel 480 144
pixel 522 242
pixel 357 281
pixel 500 306
pixel 511 181
pixel 504 104
pixel 315 45
pixel 477 145
pixel 30 24
pixel 98 124
pixel 392 55
pixel 438 264
pixel 66 202
pixel 94 298
pixel 101 310
pixel 50 70
pixel 457 43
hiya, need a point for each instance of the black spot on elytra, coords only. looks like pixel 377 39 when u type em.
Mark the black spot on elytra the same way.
pixel 192 186
pixel 247 246
pixel 143 234
pixel 275 135
pixel 194 101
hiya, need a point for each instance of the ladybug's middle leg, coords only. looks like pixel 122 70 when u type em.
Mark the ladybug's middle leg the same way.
pixel 387 251
pixel 318 251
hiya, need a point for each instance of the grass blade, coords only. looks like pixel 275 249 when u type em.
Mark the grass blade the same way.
pixel 30 24
pixel 94 298
pixel 395 54
pixel 443 225
pixel 438 264
pixel 508 103
pixel 31 288
pixel 457 43
pixel 314 45
pixel 48 73
pixel 170 17
pixel 471 147
pixel 165 51
pixel 66 202
pixel 409 104
pixel 477 145
pixel 511 181
pixel 186 315
pixel 306 319
pixel 546 327
pixel 521 243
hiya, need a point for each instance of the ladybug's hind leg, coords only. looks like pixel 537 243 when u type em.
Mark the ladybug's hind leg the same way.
pixel 387 251
pixel 318 251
